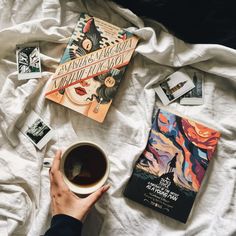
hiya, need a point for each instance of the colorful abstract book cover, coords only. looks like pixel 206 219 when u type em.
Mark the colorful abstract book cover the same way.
pixel 169 173
pixel 92 67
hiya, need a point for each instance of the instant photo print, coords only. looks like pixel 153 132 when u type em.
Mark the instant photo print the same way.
pixel 174 86
pixel 196 95
pixel 28 61
pixel 36 130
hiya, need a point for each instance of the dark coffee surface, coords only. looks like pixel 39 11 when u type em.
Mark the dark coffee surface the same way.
pixel 85 165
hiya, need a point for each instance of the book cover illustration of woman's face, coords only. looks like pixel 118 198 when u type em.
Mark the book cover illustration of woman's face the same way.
pixel 90 94
pixel 89 38
pixel 101 88
pixel 81 93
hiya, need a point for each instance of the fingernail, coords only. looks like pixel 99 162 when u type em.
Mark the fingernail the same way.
pixel 106 187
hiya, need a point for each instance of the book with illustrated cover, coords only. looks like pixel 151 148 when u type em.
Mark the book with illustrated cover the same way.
pixel 170 171
pixel 92 67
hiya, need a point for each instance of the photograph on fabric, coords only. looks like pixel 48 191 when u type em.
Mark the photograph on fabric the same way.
pixel 196 95
pixel 28 61
pixel 36 130
pixel 174 86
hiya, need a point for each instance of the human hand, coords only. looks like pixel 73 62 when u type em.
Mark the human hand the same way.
pixel 63 201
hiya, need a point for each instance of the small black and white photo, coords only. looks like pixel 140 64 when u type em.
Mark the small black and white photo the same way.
pixel 196 95
pixel 174 86
pixel 166 88
pixel 28 61
pixel 36 130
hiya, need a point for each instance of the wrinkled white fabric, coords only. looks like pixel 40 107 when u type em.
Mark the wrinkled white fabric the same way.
pixel 3 227
pixel 24 183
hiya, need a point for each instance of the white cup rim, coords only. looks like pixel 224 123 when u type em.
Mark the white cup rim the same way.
pixel 84 190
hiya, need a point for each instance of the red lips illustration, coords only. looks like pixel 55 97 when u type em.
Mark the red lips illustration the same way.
pixel 80 91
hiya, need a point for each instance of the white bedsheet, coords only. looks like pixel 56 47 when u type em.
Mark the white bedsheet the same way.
pixel 24 183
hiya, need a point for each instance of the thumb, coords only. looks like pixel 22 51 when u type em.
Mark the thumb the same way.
pixel 94 197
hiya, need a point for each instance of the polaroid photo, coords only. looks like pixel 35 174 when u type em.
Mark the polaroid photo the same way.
pixel 28 61
pixel 196 95
pixel 36 130
pixel 174 86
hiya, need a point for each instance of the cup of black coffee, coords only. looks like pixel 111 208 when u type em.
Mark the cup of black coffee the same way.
pixel 85 167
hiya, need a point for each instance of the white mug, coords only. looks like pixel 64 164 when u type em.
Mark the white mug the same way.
pixel 79 189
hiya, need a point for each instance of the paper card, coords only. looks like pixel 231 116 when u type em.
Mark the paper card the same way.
pixel 196 95
pixel 36 130
pixel 174 86
pixel 28 61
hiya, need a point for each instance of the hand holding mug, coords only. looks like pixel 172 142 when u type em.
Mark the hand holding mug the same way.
pixel 63 200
